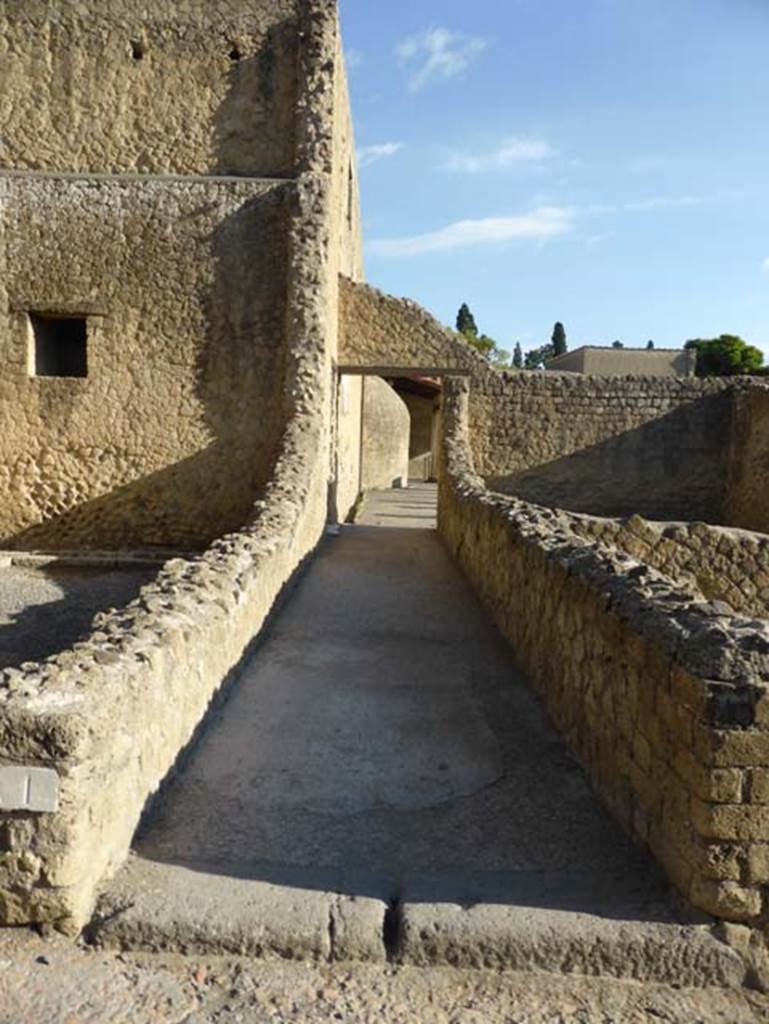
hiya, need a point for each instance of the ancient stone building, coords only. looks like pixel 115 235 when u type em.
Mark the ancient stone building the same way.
pixel 184 334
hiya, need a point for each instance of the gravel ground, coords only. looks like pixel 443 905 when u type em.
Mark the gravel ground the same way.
pixel 53 982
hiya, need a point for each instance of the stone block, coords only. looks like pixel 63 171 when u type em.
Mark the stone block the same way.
pixel 759 786
pixel 727 900
pixel 758 863
pixel 730 821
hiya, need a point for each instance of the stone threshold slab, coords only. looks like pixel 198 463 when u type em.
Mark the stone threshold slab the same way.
pixel 160 907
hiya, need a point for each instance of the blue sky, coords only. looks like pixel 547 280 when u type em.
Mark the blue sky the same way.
pixel 600 162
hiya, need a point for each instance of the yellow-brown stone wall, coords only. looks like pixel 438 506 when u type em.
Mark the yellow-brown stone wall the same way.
pixel 384 436
pixel 722 564
pixel 171 435
pixel 74 96
pixel 605 446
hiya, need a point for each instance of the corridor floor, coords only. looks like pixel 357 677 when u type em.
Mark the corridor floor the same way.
pixel 381 743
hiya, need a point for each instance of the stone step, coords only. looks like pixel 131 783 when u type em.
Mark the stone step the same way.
pixel 156 907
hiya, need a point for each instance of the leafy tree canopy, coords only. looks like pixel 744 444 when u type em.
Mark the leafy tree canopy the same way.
pixel 725 356
pixel 536 357
pixel 518 356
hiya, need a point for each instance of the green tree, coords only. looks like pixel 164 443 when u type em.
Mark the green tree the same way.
pixel 649 345
pixel 617 344
pixel 536 357
pixel 558 339
pixel 518 356
pixel 466 322
pixel 725 356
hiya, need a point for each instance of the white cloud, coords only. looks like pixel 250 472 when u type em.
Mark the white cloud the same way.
pixel 368 155
pixel 511 152
pixel 437 54
pixel 354 59
pixel 765 266
pixel 539 224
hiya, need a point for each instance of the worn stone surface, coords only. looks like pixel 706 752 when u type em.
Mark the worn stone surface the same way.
pixel 44 981
pixel 491 935
pixel 155 906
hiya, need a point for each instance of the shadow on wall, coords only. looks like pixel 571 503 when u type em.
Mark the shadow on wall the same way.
pixel 673 467
pixel 235 395
pixel 255 125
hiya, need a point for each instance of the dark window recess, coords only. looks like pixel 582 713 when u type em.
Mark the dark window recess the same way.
pixel 137 49
pixel 60 345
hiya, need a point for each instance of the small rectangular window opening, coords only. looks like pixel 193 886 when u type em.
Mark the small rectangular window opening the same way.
pixel 60 345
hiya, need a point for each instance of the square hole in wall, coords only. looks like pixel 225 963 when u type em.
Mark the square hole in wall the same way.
pixel 60 345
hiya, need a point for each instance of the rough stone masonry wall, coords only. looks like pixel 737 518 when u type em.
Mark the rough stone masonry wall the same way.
pixel 605 446
pixel 171 435
pixel 111 715
pixel 747 503
pixel 664 700
pixel 723 564
pixel 190 87
pixel 379 331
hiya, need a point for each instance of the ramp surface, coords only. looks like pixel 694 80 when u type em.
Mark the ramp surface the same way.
pixel 383 774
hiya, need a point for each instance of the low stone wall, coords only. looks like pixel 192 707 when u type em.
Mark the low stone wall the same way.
pixel 723 564
pixel 664 701
pixel 384 437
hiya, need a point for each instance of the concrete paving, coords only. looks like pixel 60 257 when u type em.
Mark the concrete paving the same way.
pixel 46 610
pixel 383 774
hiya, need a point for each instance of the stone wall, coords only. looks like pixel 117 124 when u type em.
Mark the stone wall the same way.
pixel 605 446
pixel 384 437
pixel 721 563
pixel 172 434
pixel 747 503
pixel 381 332
pixel 111 716
pixel 347 447
pixel 664 699
pixel 424 434
pixel 187 88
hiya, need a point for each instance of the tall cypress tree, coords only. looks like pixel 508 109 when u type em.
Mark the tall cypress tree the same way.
pixel 558 339
pixel 466 322
pixel 518 356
